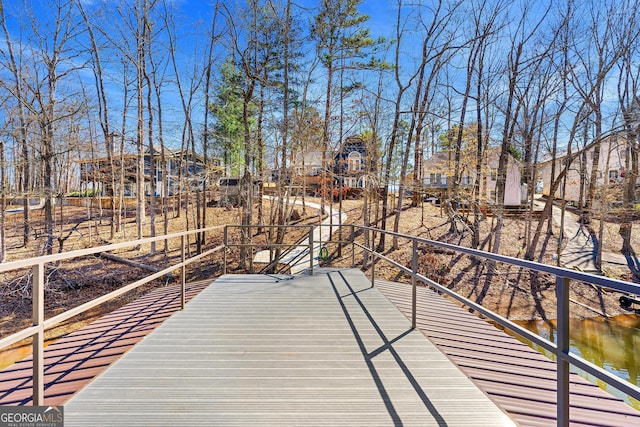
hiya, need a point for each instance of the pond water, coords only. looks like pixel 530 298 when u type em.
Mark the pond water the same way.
pixel 612 344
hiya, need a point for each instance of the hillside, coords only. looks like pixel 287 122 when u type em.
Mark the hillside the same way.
pixel 511 292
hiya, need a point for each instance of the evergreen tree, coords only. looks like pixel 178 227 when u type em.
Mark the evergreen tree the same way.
pixel 341 42
pixel 227 112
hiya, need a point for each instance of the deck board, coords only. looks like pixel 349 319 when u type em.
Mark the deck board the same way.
pixel 76 359
pixel 274 350
pixel 518 379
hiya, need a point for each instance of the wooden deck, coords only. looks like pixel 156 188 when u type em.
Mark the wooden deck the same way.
pixel 75 360
pixel 278 350
pixel 518 379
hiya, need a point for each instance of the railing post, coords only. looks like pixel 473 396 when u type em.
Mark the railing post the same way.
pixel 414 282
pixel 365 253
pixel 311 248
pixel 224 260
pixel 183 274
pixel 373 258
pixel 353 246
pixel 250 250
pixel 373 267
pixel 562 342
pixel 38 337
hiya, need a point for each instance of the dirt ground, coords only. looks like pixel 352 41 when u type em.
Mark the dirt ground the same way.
pixel 509 291
pixel 512 292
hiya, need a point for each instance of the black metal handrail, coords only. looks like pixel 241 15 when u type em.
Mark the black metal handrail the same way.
pixel 560 349
pixel 564 357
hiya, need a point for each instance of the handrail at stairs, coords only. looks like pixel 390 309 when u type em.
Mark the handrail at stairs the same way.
pixel 38 266
pixel 560 349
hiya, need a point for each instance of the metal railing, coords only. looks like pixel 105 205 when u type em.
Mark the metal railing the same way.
pixel 40 324
pixel 561 350
pixel 311 246
pixel 246 230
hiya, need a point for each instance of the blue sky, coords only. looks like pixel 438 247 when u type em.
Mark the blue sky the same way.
pixel 194 20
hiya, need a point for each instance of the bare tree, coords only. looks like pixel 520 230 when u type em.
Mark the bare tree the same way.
pixel 141 8
pixel 628 92
pixel 559 59
pixel 519 61
pixel 245 44
pixel 608 38
pixel 213 40
pixel 103 111
pixel 54 50
pixel 437 46
pixel 18 90
pixel 401 87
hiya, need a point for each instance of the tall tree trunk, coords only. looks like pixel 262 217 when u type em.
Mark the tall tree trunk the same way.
pixel 246 198
pixel 103 107
pixel 3 200
pixel 477 199
pixel 629 186
pixel 124 166
pixel 140 64
pixel 401 87
pixel 25 163
pixel 207 89
pixel 282 204
pixel 595 166
pixel 152 161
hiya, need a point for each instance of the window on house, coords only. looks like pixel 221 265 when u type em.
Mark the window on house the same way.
pixel 494 175
pixel 613 174
pixel 354 161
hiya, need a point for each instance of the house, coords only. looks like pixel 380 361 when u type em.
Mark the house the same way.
pixel 611 170
pixel 180 164
pixel 95 174
pixel 350 163
pixel 230 189
pixel 438 171
pixel 306 168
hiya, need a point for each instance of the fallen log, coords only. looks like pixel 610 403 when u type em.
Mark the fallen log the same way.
pixel 126 261
pixel 588 307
